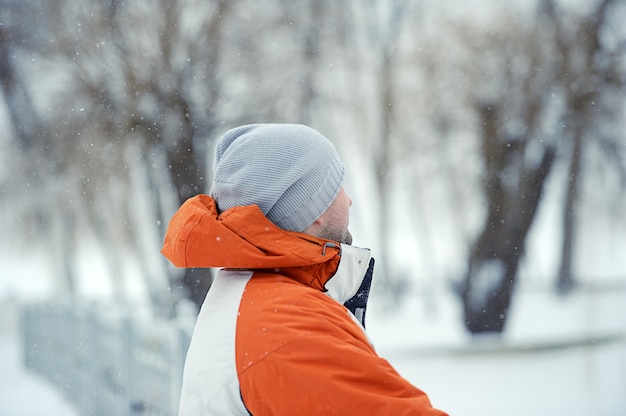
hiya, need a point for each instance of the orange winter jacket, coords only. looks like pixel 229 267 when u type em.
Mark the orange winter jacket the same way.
pixel 273 336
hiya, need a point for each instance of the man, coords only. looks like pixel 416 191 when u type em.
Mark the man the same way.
pixel 281 329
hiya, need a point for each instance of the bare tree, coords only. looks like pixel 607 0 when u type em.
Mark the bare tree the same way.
pixel 127 75
pixel 375 55
pixel 32 164
pixel 590 74
pixel 513 190
pixel 521 126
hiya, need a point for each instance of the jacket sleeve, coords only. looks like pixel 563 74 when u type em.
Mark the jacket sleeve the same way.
pixel 319 374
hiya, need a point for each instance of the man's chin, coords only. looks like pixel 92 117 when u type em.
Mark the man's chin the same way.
pixel 347 238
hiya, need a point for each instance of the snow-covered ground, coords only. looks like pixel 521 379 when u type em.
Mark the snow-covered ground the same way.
pixel 558 356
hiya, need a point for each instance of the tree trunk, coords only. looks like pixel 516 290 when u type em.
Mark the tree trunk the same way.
pixel 513 191
pixel 189 181
pixel 565 281
pixel 25 120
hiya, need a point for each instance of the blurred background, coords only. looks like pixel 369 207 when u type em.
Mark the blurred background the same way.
pixel 485 145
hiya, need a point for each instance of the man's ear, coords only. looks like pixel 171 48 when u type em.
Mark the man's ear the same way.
pixel 315 228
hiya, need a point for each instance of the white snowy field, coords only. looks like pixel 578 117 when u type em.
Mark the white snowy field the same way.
pixel 558 356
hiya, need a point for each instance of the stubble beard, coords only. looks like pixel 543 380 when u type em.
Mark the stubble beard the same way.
pixel 342 236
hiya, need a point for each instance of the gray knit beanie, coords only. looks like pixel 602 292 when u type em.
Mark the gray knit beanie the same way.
pixel 290 171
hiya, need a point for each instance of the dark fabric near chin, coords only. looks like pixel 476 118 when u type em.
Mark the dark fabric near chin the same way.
pixel 357 304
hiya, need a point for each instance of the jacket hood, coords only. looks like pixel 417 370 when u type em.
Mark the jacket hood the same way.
pixel 243 238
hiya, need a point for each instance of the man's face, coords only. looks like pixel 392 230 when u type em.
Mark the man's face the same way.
pixel 334 222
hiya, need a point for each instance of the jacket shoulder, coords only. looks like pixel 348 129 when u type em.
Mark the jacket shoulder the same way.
pixel 300 352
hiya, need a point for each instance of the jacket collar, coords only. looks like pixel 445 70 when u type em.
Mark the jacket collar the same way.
pixel 351 283
pixel 353 265
pixel 243 238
